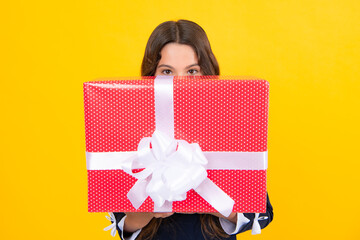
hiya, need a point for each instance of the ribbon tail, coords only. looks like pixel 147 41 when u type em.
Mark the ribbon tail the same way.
pixel 166 207
pixel 216 197
pixel 256 229
pixel 137 194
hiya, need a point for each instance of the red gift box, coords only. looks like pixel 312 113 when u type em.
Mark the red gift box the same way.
pixel 220 115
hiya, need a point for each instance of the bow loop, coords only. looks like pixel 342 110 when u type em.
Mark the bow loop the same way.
pixel 113 224
pixel 161 145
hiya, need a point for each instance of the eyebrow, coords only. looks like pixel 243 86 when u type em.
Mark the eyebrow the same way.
pixel 164 65
pixel 193 65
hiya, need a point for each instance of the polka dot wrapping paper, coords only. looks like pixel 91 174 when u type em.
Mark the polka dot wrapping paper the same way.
pixel 225 114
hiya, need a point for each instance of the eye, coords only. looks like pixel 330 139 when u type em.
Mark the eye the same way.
pixel 166 72
pixel 192 71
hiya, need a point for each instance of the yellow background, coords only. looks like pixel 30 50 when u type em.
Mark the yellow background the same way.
pixel 307 50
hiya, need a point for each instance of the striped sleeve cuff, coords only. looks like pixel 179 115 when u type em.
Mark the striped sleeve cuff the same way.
pixel 231 228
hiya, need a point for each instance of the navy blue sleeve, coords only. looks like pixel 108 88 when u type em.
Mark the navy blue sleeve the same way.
pixel 264 218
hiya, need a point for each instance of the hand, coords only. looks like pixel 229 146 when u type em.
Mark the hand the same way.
pixel 136 220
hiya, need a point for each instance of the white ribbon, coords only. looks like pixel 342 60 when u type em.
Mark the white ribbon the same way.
pixel 216 160
pixel 173 167
pixel 113 225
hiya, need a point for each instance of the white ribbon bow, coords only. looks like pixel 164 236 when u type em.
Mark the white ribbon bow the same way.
pixel 113 225
pixel 172 168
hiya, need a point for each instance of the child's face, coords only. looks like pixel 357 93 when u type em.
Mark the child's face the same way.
pixel 178 60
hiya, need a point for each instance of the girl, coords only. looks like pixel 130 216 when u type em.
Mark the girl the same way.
pixel 181 48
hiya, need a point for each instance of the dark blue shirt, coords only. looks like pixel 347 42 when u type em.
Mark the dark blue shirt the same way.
pixel 188 226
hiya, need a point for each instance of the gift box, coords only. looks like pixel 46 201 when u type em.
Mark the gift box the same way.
pixel 181 144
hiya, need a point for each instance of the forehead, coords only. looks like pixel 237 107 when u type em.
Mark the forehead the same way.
pixel 178 54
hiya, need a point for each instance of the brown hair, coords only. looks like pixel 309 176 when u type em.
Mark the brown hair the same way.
pixel 189 33
pixel 183 32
